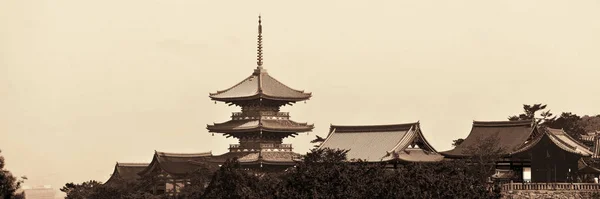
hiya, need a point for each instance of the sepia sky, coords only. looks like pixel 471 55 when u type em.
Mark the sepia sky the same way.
pixel 84 84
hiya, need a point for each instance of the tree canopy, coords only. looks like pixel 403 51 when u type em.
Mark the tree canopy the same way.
pixel 9 184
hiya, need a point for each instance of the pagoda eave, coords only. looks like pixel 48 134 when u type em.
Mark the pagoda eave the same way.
pixel 263 129
pixel 258 97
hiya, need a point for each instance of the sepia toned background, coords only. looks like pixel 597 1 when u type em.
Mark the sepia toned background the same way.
pixel 84 84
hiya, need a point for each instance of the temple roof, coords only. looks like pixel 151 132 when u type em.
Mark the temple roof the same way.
pixel 511 136
pixel 126 171
pixel 260 85
pixel 374 143
pixel 174 163
pixel 263 157
pixel 253 125
pixel 562 140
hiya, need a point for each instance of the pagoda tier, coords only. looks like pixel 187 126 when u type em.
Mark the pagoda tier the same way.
pixel 260 87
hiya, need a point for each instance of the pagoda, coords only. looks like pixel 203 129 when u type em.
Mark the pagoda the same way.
pixel 260 127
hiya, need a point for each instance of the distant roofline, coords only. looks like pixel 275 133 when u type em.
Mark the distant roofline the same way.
pixel 132 164
pixel 376 127
pixel 502 123
pixel 170 154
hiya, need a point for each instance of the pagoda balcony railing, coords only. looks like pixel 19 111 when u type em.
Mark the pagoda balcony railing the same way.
pixel 261 147
pixel 262 114
pixel 551 186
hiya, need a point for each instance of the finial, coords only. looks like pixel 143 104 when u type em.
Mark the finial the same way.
pixel 259 56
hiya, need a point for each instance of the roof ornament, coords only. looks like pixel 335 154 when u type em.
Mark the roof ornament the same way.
pixel 259 49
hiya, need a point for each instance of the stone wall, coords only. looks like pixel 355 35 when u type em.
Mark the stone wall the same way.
pixel 554 194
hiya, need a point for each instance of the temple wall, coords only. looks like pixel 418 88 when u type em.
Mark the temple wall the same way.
pixel 555 194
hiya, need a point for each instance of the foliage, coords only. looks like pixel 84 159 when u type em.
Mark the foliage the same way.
pixel 590 123
pixel 324 173
pixel 447 179
pixel 8 183
pixel 232 181
pixel 457 142
pixel 80 191
pixel 571 123
pixel 318 140
pixel 198 182
pixel 484 156
pixel 529 113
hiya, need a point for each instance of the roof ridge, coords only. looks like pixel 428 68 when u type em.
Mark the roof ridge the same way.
pixel 572 139
pixel 222 91
pixel 503 123
pixel 374 125
pixel 277 81
pixel 132 164
pixel 171 154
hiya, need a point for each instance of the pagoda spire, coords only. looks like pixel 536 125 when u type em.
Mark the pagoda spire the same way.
pixel 259 50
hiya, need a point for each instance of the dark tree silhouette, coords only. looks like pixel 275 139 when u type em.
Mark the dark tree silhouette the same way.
pixel 317 140
pixel 8 183
pixel 457 142
pixel 529 113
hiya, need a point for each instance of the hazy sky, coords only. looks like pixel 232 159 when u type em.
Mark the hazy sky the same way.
pixel 84 84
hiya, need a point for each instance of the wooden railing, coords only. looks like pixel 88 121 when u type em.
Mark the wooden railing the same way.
pixel 279 147
pixel 551 186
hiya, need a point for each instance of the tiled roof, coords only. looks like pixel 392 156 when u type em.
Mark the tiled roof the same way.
pixel 511 136
pixel 174 163
pixel 374 143
pixel 260 85
pixel 253 157
pixel 278 125
pixel 560 139
pixel 127 171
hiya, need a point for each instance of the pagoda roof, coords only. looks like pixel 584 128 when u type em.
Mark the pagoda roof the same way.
pixel 561 139
pixel 260 85
pixel 126 171
pixel 253 125
pixel 174 163
pixel 511 136
pixel 257 157
pixel 375 143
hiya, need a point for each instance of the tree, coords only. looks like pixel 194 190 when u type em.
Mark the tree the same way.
pixel 199 180
pixel 457 142
pixel 232 181
pixel 570 123
pixel 80 191
pixel 318 140
pixel 529 113
pixel 484 155
pixel 325 173
pixel 8 183
pixel 590 123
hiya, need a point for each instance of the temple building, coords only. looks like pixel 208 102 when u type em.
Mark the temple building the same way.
pixel 260 127
pixel 126 172
pixel 528 152
pixel 169 170
pixel 394 143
